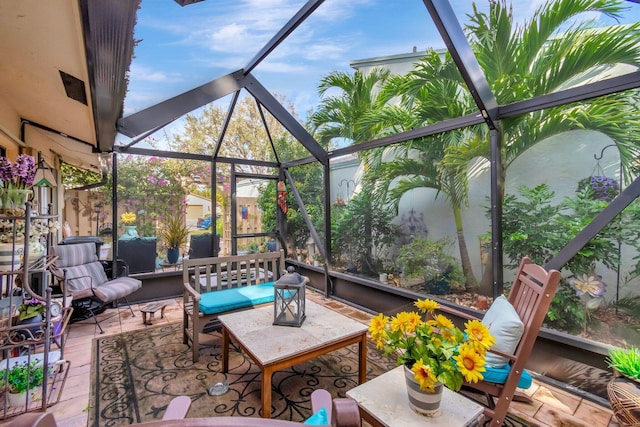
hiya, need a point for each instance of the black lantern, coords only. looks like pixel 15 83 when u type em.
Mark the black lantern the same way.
pixel 289 299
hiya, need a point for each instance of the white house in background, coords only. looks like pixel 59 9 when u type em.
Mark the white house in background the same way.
pixel 197 207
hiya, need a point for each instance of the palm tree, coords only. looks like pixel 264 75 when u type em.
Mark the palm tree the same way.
pixel 519 63
pixel 339 117
pixel 431 93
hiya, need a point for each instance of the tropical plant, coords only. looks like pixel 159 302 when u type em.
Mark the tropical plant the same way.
pixel 22 376
pixel 625 360
pixel 533 226
pixel 428 259
pixel 434 349
pixel 339 119
pixel 547 54
pixel 362 233
pixel 174 231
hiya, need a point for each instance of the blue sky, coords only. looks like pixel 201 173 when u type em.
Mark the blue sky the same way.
pixel 183 47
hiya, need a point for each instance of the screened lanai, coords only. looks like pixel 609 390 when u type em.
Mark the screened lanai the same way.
pixel 522 118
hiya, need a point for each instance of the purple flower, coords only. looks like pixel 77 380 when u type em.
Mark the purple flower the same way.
pixel 19 174
pixel 6 171
pixel 603 188
pixel 24 169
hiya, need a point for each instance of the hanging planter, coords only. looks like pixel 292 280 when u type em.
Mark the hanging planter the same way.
pixel 603 188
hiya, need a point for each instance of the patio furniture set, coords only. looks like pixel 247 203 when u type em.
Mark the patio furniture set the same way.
pixel 515 324
pixel 237 292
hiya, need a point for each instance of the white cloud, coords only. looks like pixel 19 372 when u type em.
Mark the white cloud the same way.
pixel 146 74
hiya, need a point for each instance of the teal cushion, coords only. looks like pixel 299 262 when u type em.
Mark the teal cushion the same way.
pixel 235 298
pixel 499 375
pixel 318 419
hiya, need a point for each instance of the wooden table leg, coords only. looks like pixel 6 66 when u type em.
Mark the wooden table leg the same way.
pixel 225 350
pixel 362 362
pixel 266 392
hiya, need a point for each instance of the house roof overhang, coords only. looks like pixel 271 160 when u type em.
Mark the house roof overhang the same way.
pixel 64 72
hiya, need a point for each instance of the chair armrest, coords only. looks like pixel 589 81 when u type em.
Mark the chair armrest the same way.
pixel 190 292
pixel 346 413
pixel 71 279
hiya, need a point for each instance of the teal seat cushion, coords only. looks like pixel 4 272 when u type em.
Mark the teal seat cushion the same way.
pixel 235 298
pixel 499 375
pixel 318 419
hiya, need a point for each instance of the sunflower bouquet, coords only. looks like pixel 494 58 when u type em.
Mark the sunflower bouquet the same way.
pixel 432 346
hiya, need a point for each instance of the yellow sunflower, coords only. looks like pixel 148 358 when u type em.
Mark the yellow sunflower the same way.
pixel 470 363
pixel 424 376
pixel 405 322
pixel 479 333
pixel 377 326
pixel 443 322
pixel 425 305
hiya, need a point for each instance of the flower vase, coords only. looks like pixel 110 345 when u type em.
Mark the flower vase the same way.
pixel 17 400
pixel 423 402
pixel 172 255
pixel 14 200
pixel 130 232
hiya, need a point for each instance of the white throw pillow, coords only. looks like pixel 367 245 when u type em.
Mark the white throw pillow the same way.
pixel 507 328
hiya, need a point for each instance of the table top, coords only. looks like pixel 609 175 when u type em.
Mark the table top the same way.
pixel 270 343
pixel 385 399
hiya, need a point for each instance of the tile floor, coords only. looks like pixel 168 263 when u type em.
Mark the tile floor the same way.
pixel 551 407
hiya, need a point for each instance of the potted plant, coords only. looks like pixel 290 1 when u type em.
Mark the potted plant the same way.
pixel 20 378
pixel 433 350
pixel 30 316
pixel 128 219
pixel 174 233
pixel 624 388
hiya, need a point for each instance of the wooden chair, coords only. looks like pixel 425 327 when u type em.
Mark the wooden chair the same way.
pixel 531 294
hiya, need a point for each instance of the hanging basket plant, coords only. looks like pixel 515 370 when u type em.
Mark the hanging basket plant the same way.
pixel 603 187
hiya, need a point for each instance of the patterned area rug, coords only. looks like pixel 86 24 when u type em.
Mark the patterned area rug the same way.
pixel 134 375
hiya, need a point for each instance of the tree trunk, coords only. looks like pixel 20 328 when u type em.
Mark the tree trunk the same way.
pixel 471 284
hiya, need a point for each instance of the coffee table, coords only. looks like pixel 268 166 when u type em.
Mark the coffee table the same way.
pixel 383 401
pixel 274 347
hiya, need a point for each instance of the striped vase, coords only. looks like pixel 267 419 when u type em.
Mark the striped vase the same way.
pixel 423 402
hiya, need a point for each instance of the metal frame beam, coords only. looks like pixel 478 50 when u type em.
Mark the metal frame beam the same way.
pixel 603 219
pixel 284 32
pixel 462 54
pixel 167 111
pixel 188 156
pixel 253 86
pixel 568 96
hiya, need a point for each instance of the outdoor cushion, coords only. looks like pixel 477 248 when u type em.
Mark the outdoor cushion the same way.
pixel 499 375
pixel 117 288
pixel 81 278
pixel 318 419
pixel 76 254
pixel 234 298
pixel 507 328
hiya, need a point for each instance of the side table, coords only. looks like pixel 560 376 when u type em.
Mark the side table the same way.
pixel 383 401
pixel 150 309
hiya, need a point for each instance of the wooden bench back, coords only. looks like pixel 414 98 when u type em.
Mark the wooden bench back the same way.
pixel 211 274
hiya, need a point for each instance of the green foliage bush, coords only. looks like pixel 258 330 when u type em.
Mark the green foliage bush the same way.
pixel 535 226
